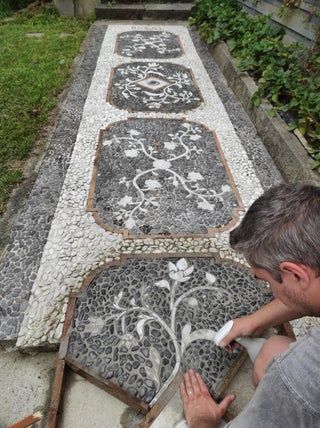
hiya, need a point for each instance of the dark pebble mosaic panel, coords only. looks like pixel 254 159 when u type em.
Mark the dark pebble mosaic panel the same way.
pixel 162 87
pixel 134 322
pixel 148 44
pixel 187 191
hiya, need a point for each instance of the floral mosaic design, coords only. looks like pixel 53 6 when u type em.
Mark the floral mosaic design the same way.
pixel 162 177
pixel 138 325
pixel 148 44
pixel 163 87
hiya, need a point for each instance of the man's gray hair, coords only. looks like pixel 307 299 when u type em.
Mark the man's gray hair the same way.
pixel 282 225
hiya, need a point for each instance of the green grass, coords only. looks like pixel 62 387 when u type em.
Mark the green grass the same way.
pixel 33 72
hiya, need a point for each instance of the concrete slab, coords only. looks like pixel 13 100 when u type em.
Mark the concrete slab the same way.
pixel 26 387
pixel 85 405
pixel 242 387
pixel 171 415
pixel 25 384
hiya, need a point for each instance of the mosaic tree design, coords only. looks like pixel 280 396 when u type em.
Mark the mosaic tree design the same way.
pixel 162 176
pixel 149 44
pixel 138 325
pixel 164 87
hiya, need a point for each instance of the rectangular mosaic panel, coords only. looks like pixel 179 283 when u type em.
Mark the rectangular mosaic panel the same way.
pixel 162 176
pixel 153 86
pixel 148 44
pixel 139 323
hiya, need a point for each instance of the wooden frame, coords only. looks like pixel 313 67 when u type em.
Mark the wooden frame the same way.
pixel 27 421
pixel 151 413
pixel 64 362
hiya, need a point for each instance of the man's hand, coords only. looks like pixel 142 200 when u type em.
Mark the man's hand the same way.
pixel 200 410
pixel 270 315
pixel 241 327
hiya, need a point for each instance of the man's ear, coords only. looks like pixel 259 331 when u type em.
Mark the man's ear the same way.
pixel 300 272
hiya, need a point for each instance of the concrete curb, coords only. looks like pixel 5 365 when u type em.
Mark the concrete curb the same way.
pixel 285 149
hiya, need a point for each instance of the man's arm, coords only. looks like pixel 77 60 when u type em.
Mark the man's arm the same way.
pixel 273 313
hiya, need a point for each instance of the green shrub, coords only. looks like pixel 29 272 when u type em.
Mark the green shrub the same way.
pixel 287 75
pixel 5 9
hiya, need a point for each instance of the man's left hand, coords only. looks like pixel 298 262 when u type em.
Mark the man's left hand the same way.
pixel 201 411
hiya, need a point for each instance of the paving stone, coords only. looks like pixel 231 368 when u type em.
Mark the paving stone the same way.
pixel 35 35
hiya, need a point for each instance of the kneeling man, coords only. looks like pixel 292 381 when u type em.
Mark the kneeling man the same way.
pixel 280 238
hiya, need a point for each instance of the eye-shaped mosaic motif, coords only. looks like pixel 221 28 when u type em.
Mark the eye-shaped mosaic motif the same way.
pixel 148 44
pixel 162 87
pixel 137 325
pixel 162 176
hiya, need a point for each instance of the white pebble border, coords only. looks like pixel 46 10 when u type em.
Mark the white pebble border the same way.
pixel 76 244
pixel 218 245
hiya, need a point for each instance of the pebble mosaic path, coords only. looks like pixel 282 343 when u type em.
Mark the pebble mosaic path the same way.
pixel 152 163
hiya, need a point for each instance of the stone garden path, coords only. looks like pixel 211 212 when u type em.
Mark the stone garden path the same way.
pixel 151 165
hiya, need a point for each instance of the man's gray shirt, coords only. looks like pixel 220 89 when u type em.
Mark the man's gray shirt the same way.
pixel 289 394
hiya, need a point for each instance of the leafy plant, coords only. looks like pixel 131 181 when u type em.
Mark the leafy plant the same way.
pixel 287 75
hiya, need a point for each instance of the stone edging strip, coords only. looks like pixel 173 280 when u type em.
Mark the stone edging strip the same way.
pixel 29 234
pixel 163 11
pixel 285 149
